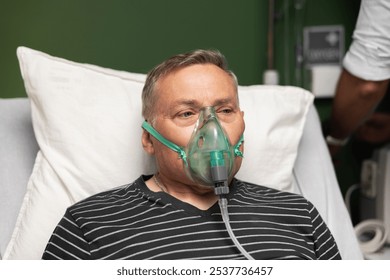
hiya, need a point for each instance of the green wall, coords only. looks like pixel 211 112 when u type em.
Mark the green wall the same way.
pixel 134 35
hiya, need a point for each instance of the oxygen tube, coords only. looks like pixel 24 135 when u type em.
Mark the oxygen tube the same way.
pixel 220 178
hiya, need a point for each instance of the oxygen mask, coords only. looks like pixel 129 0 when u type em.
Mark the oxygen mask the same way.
pixel 208 160
pixel 208 157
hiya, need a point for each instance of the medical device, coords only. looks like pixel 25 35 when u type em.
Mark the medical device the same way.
pixel 208 160
pixel 375 201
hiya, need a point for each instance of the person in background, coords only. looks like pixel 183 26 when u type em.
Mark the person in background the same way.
pixel 364 81
pixel 194 128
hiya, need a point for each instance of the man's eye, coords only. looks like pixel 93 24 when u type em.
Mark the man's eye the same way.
pixel 186 114
pixel 225 111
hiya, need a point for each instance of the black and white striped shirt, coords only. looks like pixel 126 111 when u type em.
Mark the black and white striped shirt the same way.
pixel 132 222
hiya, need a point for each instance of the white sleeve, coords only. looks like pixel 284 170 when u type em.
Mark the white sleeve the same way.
pixel 368 56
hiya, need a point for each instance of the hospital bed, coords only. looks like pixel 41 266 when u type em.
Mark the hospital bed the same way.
pixel 32 201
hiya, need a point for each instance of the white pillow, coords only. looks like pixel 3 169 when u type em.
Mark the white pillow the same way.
pixel 87 121
pixel 274 119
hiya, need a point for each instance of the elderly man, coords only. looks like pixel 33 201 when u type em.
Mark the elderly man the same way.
pixel 193 207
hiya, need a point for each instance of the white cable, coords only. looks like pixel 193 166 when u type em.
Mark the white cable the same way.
pixel 347 197
pixel 377 241
pixel 225 216
pixel 367 227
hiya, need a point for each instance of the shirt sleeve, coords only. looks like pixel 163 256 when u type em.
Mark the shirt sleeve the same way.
pixel 368 57
pixel 324 244
pixel 67 241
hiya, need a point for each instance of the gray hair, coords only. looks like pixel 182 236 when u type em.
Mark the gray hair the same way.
pixel 175 63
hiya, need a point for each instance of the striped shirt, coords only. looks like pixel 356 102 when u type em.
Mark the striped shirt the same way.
pixel 132 222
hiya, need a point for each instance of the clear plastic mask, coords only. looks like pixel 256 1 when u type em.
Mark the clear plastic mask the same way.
pixel 208 148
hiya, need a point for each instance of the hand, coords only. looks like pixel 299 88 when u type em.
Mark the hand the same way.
pixel 376 129
pixel 334 150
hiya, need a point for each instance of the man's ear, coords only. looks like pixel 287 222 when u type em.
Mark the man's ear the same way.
pixel 147 143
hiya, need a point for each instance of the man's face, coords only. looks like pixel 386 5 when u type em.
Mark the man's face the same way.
pixel 181 95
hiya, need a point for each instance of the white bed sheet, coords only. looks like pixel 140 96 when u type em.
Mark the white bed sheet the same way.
pixel 320 186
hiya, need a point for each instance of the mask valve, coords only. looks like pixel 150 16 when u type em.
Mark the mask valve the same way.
pixel 219 173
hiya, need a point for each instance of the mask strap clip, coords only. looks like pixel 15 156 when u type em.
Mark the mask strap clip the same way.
pixel 237 151
pixel 159 137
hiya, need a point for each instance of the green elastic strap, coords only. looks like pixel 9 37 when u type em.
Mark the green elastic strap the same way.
pixel 237 152
pixel 166 142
